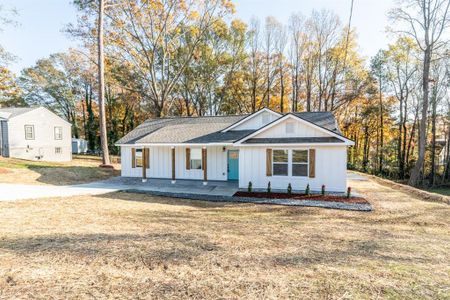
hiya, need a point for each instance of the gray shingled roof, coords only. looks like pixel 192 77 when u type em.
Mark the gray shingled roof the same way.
pixel 324 119
pixel 295 140
pixel 11 112
pixel 183 130
pixel 208 129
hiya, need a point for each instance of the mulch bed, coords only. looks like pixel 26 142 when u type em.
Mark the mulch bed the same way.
pixel 315 197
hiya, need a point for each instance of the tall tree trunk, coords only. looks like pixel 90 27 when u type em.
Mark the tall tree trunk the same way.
pixel 415 174
pixel 282 89
pixel 401 166
pixel 380 166
pixel 447 157
pixel 101 86
pixel 433 138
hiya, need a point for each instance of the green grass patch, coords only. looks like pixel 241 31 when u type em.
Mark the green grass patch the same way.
pixel 440 190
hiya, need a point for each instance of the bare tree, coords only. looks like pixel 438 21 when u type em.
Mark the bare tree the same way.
pixel 426 22
pixel 281 40
pixel 297 45
pixel 269 37
pixel 101 86
pixel 254 41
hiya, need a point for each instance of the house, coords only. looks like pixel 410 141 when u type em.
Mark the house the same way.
pixel 441 150
pixel 298 148
pixel 34 133
pixel 79 146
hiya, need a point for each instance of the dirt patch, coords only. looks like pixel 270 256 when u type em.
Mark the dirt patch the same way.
pixel 330 198
pixel 4 171
pixel 421 194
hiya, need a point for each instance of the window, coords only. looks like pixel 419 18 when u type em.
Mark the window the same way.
pixel 196 159
pixel 29 132
pixel 58 133
pixel 299 162
pixel 290 127
pixel 138 158
pixel 58 150
pixel 280 162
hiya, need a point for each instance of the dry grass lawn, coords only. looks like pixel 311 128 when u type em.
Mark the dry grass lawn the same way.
pixel 135 246
pixel 81 169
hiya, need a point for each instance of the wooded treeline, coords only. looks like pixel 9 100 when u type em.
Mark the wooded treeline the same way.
pixel 192 58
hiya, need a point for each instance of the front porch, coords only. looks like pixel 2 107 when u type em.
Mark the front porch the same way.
pixel 181 186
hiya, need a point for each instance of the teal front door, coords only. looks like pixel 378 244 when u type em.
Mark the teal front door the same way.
pixel 233 164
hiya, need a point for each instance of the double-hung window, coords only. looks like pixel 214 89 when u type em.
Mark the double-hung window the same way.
pixel 29 132
pixel 58 133
pixel 280 162
pixel 138 158
pixel 290 162
pixel 196 159
pixel 300 163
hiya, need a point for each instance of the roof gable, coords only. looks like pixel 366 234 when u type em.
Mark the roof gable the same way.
pixel 11 112
pixel 255 121
pixel 299 128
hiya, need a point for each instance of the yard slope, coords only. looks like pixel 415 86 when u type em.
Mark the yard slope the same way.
pixel 125 245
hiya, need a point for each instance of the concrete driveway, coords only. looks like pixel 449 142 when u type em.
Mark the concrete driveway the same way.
pixel 12 192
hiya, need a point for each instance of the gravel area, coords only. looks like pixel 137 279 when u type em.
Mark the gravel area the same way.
pixel 285 202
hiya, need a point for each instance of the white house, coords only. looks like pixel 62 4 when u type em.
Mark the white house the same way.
pixel 34 133
pixel 298 148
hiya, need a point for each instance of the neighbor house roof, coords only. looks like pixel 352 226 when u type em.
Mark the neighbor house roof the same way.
pixel 11 112
pixel 208 129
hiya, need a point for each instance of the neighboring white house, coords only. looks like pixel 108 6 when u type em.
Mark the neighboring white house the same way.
pixel 79 146
pixel 34 133
pixel 298 148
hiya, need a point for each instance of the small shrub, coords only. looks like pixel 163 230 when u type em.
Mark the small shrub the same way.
pixel 289 188
pixel 250 187
pixel 269 188
pixel 349 191
pixel 323 189
pixel 307 190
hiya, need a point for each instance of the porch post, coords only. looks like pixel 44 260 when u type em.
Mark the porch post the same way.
pixel 205 165
pixel 144 164
pixel 173 164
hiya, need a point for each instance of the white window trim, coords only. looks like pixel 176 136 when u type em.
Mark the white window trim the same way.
pixel 32 132
pixel 290 162
pixel 300 163
pixel 54 133
pixel 190 159
pixel 136 157
pixel 286 163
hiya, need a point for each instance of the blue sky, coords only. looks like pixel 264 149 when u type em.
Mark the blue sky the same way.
pixel 40 22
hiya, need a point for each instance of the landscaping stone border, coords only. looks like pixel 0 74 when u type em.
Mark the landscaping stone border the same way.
pixel 424 195
pixel 286 202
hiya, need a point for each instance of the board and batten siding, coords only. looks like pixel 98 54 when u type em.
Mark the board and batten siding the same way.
pixel 299 130
pixel 161 163
pixel 330 169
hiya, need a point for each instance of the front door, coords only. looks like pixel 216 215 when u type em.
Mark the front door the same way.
pixel 233 164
